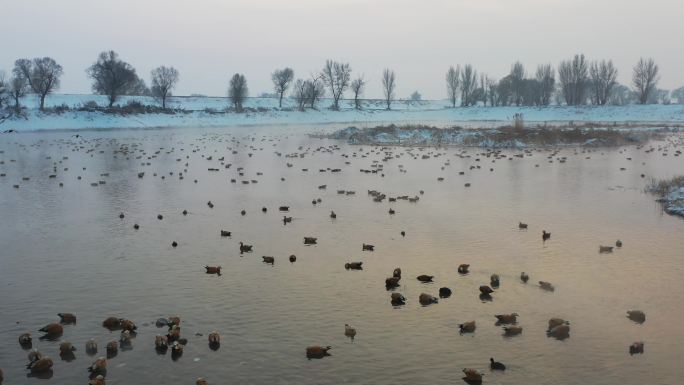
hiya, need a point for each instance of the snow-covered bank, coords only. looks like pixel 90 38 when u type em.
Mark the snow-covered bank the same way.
pixel 210 112
pixel 671 194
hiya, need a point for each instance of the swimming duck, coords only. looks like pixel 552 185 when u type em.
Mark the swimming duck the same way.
pixel 128 325
pixel 52 330
pixel 25 340
pixel 494 365
pixel 425 278
pixel 98 380
pixel 268 259
pixel 333 215
pixel 201 381
pixel 396 273
pixel 125 339
pixel 353 266
pixel 161 343
pixel 67 318
pixel 245 248
pixel 66 348
pixel 366 247
pixel 310 240
pixel 467 327
pixel 618 243
pixel 546 286
pixel 99 366
pixel 426 299
pixel 397 299
pixel 560 332
pixel 545 235
pixel 349 331
pixel 524 277
pixel 494 280
pixel 392 282
pixel 214 339
pixel 507 318
pixel 317 351
pixel 91 347
pixel 512 330
pixel 176 349
pixel 225 233
pixel 636 316
pixel 472 375
pixel 486 290
pixel 40 365
pixel 444 292
pixel 293 258
pixel 522 226
pixel 112 348
pixel 605 249
pixel 636 348
pixel 463 268
pixel 213 269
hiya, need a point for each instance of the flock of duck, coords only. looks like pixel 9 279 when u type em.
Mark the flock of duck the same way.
pixel 39 363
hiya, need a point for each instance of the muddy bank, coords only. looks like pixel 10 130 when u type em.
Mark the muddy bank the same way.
pixel 505 136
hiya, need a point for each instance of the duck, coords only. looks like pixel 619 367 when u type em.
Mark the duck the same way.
pixel 392 282
pixel 463 268
pixel 174 333
pixel 174 244
pixel 25 340
pixel 553 322
pixel 560 332
pixel 636 348
pixel 426 299
pixel 34 355
pixel 403 233
pixel 486 290
pixel 605 249
pixel 264 209
pixel 176 349
pixel 391 211
pixel 160 217
pixel 128 325
pixel 161 343
pixel 349 331
pixel 317 351
pixel 98 380
pixel 467 327
pixel 618 243
pixel 66 348
pixel 397 299
pixel 214 339
pixel 225 233
pixel 52 330
pixel 636 316
pixel 367 247
pixel 125 339
pixel 444 292
pixel 524 277
pixel 185 212
pixel 67 318
pixel 396 273
pixel 494 365
pixel 333 215
pixel 243 212
pixel 472 375
pixel 512 330
pixel 310 240
pixel 211 205
pixel 494 280
pixel 545 235
pixel 268 259
pixel 213 270
pixel 293 258
pixel 507 318
pixel 112 348
pixel 99 366
pixel 522 226
pixel 353 265
pixel 546 286
pixel 40 365
pixel 425 278
pixel 201 381
pixel 136 226
pixel 91 347
pixel 245 248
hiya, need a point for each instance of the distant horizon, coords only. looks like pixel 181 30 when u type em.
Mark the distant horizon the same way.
pixel 210 40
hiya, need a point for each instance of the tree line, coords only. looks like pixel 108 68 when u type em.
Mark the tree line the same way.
pixel 578 82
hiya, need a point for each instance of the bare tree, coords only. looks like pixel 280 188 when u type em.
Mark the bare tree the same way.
pixel 645 79
pixel 517 77
pixel 357 87
pixel 603 78
pixel 281 81
pixel 41 74
pixel 547 83
pixel 574 77
pixel 164 80
pixel 678 94
pixel 18 86
pixel 336 77
pixel 299 93
pixel 621 95
pixel 315 90
pixel 492 92
pixel 112 76
pixel 4 89
pixel 237 91
pixel 388 85
pixel 468 85
pixel 453 81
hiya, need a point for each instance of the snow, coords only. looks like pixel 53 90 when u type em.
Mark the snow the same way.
pixel 673 201
pixel 208 112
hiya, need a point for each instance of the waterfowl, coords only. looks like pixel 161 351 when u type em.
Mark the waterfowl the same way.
pixel 618 243
pixel 317 351
pixel 524 277
pixel 213 270
pixel 174 244
pixel 467 327
pixel 366 247
pixel 486 290
pixel 91 347
pixel 34 355
pixel 52 330
pixel 245 248
pixel 522 225
pixel 98 380
pixel 66 348
pixel 268 259
pixel 425 278
pixel 636 348
pixel 25 340
pixel 264 209
pixel 507 318
pixel 67 318
pixel 392 282
pixel 160 217
pixel 185 212
pixel 472 375
pixel 136 226
pixel 553 322
pixel 125 339
pixel 605 249
pixel 99 366
pixel 463 268
pixel 201 381
pixel 546 286
pixel 287 219
pixel 349 331
pixel 332 214
pixel 225 233
pixel 173 334
pixel 494 280
pixel 128 325
pixel 284 208
pixel 636 316
pixel 112 348
pixel 396 273
pixel 176 349
pixel 293 258
pixel 403 233
pixel 444 292
pixel 211 205
pixel 214 339
pixel 494 365
pixel 512 330
pixel 545 235
pixel 353 265
pixel 397 299
pixel 426 299
pixel 310 240
pixel 121 215
pixel 391 211
pixel 243 213
pixel 40 365
pixel 560 332
pixel 161 343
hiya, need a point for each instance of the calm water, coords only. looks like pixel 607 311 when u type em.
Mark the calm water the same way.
pixel 64 249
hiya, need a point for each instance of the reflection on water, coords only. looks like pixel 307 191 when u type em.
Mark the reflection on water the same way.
pixel 65 249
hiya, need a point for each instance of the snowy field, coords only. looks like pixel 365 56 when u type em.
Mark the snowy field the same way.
pixel 208 112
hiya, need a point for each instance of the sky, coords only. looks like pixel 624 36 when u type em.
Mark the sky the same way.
pixel 209 40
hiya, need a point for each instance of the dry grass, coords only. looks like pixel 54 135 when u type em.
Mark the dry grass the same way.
pixel 664 186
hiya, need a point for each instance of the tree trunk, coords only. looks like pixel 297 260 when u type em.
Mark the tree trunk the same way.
pixel 42 102
pixel 280 102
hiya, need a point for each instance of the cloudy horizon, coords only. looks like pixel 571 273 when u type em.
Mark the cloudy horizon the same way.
pixel 209 40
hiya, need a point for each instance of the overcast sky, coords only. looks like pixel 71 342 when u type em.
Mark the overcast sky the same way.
pixel 208 40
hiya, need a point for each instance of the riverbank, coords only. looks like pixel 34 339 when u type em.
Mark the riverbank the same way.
pixel 671 194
